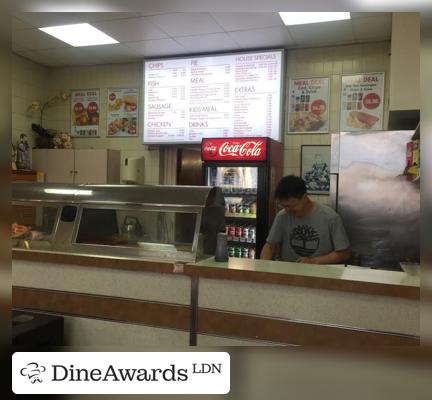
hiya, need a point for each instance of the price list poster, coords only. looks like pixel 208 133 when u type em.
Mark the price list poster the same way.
pixel 85 111
pixel 308 110
pixel 225 96
pixel 362 102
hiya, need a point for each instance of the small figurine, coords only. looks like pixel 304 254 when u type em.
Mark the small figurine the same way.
pixel 23 153
pixel 14 155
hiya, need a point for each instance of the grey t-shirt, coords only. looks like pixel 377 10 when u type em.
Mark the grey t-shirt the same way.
pixel 318 234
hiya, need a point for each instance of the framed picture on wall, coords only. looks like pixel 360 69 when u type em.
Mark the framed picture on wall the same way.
pixel 308 108
pixel 315 168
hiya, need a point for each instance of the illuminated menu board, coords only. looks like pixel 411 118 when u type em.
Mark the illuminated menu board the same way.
pixel 230 95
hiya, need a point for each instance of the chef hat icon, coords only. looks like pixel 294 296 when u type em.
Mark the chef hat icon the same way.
pixel 33 371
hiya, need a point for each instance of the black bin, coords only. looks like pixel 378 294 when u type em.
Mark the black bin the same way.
pixel 35 330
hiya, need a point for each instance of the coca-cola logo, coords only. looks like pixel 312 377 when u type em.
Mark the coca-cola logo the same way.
pixel 210 149
pixel 246 149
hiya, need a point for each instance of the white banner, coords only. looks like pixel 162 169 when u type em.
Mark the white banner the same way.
pixel 121 373
pixel 362 102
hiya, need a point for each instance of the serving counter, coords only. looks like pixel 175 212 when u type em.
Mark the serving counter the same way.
pixel 131 265
pixel 114 301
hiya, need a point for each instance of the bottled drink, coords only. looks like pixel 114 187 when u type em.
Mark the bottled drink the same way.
pixel 252 253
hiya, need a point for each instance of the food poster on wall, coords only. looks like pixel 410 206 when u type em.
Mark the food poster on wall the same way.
pixel 308 105
pixel 122 115
pixel 362 102
pixel 85 113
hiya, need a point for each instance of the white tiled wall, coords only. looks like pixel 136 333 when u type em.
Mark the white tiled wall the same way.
pixel 332 62
pixel 29 83
pixel 32 80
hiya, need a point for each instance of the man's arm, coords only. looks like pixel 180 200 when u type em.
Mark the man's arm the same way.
pixel 334 257
pixel 268 251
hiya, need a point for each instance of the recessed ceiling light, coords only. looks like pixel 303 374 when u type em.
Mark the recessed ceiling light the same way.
pixel 79 35
pixel 300 18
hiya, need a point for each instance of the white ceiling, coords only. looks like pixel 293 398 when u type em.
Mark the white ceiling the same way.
pixel 144 35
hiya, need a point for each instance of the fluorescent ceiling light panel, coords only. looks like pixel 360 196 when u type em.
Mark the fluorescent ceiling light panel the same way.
pixel 79 35
pixel 301 18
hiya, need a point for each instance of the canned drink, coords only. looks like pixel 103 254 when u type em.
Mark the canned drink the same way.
pixel 231 251
pixel 231 230
pixel 227 229
pixel 253 208
pixel 237 252
pixel 232 208
pixel 246 232
pixel 245 252
pixel 252 232
pixel 239 231
pixel 252 253
pixel 239 207
pixel 246 209
pixel 227 207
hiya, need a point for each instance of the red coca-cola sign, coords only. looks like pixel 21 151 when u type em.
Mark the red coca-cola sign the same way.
pixel 244 149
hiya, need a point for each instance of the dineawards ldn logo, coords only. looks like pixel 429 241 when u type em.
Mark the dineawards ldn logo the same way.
pixel 33 371
pixel 121 373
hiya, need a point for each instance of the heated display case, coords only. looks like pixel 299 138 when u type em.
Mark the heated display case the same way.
pixel 126 221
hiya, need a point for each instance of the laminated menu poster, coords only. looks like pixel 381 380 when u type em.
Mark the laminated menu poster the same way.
pixel 362 102
pixel 122 114
pixel 308 110
pixel 85 111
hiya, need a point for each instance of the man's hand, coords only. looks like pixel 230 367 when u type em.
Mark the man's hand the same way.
pixel 307 260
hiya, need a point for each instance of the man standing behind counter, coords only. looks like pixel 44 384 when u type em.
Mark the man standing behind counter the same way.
pixel 305 231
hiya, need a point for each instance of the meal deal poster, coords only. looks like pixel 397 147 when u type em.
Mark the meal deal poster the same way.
pixel 122 115
pixel 85 105
pixel 308 109
pixel 362 102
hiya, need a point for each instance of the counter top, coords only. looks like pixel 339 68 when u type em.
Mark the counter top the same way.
pixel 350 273
pixel 330 277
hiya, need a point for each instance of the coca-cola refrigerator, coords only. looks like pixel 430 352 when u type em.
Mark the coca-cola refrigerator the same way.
pixel 247 170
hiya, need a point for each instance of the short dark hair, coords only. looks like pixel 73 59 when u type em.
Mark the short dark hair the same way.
pixel 290 186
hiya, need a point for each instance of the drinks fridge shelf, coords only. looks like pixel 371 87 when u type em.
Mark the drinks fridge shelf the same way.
pixel 240 215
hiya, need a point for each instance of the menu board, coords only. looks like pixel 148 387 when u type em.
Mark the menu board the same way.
pixel 308 109
pixel 232 95
pixel 122 112
pixel 362 102
pixel 85 106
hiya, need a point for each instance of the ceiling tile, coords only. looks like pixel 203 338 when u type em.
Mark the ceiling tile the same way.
pixel 207 43
pixel 322 33
pixel 185 24
pixel 267 37
pixel 67 56
pixel 17 24
pixel 34 39
pixel 372 28
pixel 130 29
pixel 114 52
pixel 355 15
pixel 106 16
pixel 236 21
pixel 156 48
pixel 41 19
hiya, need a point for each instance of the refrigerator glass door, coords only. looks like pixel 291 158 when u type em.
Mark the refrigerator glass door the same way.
pixel 239 185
